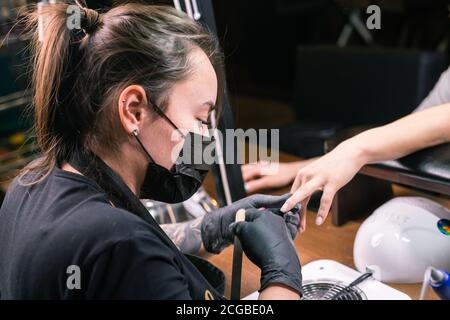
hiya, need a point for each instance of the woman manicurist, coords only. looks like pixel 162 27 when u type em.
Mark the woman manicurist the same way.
pixel 114 102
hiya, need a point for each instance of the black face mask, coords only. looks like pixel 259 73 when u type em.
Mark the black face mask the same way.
pixel 185 178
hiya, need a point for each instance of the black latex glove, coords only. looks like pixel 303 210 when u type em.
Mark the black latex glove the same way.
pixel 291 218
pixel 267 243
pixel 216 234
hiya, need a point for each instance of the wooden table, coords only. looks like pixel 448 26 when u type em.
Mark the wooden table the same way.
pixel 324 242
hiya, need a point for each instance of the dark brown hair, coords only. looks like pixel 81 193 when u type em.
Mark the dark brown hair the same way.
pixel 79 74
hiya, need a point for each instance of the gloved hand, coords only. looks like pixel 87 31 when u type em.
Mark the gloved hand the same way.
pixel 216 234
pixel 267 243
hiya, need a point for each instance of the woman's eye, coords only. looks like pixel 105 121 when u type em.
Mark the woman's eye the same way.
pixel 205 122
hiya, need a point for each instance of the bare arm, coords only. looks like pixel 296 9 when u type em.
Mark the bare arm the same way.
pixel 416 131
pixel 278 292
pixel 332 171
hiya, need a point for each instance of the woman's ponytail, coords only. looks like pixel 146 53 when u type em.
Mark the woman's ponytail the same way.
pixel 57 62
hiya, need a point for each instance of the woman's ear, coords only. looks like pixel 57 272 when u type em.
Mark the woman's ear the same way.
pixel 133 108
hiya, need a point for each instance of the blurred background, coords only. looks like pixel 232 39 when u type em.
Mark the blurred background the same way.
pixel 308 67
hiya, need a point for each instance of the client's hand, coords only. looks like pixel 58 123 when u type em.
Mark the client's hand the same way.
pixel 265 175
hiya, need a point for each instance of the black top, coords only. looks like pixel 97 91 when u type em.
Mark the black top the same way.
pixel 67 220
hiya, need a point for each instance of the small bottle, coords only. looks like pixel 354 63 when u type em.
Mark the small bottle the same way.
pixel 440 282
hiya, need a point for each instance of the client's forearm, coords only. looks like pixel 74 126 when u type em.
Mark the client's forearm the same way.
pixel 404 136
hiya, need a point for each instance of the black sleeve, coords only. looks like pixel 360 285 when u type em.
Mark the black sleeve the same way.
pixel 141 267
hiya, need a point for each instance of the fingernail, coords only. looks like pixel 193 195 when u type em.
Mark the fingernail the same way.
pixel 284 208
pixel 246 187
pixel 319 220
